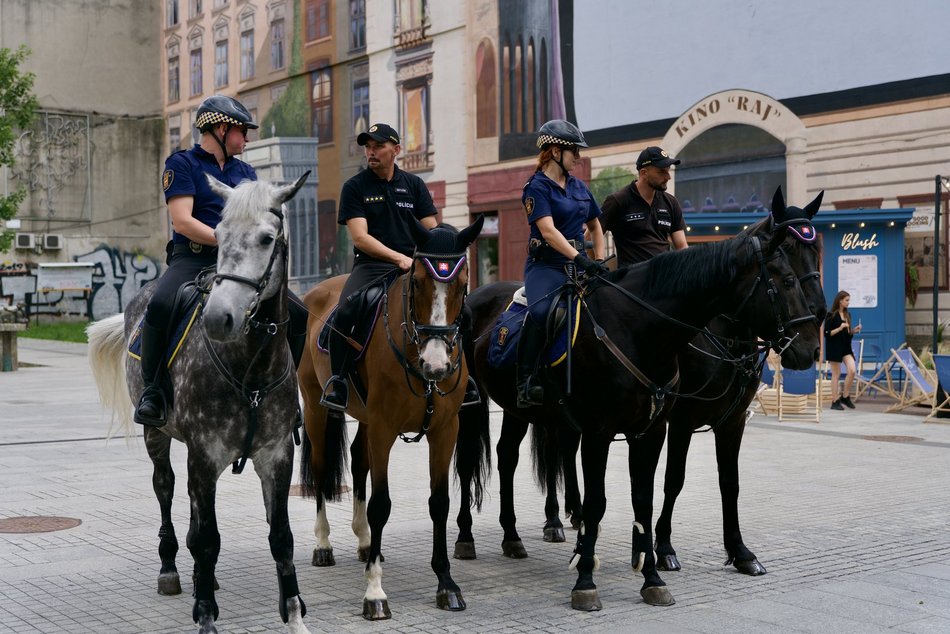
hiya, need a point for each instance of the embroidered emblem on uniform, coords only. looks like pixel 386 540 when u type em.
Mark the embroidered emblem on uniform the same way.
pixel 167 179
pixel 529 205
pixel 502 335
pixel 373 199
pixel 373 129
pixel 195 247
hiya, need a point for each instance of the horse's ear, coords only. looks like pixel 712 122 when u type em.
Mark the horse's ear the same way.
pixel 470 233
pixel 289 191
pixel 812 208
pixel 420 235
pixel 218 187
pixel 778 205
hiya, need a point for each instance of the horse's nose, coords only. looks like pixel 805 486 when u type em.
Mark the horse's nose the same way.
pixel 435 371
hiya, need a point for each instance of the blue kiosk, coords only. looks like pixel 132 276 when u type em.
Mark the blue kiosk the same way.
pixel 863 255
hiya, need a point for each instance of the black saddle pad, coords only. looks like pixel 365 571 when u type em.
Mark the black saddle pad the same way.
pixel 188 305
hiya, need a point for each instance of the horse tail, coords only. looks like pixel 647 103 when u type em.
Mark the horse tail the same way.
pixel 473 450
pixel 546 455
pixel 107 351
pixel 334 460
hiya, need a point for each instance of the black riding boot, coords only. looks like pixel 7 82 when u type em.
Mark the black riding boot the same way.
pixel 335 392
pixel 530 346
pixel 297 341
pixel 472 396
pixel 152 405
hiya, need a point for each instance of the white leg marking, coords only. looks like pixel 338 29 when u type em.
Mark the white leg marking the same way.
pixel 294 620
pixel 321 528
pixel 360 523
pixel 374 582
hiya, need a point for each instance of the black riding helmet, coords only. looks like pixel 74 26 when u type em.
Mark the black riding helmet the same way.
pixel 560 132
pixel 222 109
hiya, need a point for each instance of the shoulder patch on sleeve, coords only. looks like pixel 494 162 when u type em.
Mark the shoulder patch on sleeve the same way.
pixel 529 205
pixel 168 177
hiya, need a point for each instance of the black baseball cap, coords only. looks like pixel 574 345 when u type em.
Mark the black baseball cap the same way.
pixel 656 157
pixel 379 132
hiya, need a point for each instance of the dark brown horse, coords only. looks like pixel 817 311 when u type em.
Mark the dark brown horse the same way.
pixel 625 370
pixel 414 374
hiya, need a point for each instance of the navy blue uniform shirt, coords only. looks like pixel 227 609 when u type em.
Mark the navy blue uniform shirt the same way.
pixel 571 208
pixel 387 207
pixel 184 175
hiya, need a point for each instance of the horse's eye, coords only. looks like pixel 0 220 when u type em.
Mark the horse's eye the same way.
pixel 266 240
pixel 789 282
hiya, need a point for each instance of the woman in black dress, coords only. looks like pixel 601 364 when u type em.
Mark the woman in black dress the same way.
pixel 838 332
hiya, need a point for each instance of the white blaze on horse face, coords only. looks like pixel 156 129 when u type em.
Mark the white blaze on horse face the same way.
pixel 435 353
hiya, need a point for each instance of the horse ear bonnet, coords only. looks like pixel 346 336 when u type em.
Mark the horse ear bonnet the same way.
pixel 440 256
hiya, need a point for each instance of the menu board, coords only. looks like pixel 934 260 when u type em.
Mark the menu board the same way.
pixel 857 275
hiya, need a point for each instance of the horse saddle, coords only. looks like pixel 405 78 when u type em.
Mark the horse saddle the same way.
pixel 188 304
pixel 503 346
pixel 363 308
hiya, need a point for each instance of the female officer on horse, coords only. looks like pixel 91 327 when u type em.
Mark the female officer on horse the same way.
pixel 558 208
pixel 195 211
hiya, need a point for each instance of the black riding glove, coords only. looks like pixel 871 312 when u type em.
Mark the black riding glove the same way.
pixel 591 267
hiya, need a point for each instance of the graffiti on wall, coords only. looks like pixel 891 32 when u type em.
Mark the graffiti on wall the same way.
pixel 117 276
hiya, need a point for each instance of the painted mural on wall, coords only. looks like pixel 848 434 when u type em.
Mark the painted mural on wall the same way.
pixel 117 276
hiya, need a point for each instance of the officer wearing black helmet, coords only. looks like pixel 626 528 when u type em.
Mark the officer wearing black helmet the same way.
pixel 195 211
pixel 558 207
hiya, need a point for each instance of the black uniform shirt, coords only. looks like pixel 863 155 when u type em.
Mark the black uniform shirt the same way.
pixel 641 231
pixel 387 207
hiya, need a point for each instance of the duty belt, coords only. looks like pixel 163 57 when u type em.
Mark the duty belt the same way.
pixel 193 248
pixel 542 250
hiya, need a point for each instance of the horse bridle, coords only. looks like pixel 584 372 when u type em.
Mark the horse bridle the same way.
pixel 280 248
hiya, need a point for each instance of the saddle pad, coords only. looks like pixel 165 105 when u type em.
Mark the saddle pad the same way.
pixel 503 346
pixel 182 328
pixel 362 332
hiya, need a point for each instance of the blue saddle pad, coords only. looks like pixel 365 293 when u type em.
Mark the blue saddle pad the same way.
pixel 182 327
pixel 503 347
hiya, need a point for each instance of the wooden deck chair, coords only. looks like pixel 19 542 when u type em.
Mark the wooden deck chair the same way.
pixel 799 396
pixel 767 394
pixel 881 379
pixel 918 386
pixel 941 405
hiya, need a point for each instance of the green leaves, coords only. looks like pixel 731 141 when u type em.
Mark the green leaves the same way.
pixel 18 107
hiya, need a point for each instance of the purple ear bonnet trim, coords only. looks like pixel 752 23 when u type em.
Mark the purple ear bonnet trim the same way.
pixel 444 269
pixel 801 228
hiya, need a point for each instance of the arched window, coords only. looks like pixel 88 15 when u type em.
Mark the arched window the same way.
pixel 544 106
pixel 486 92
pixel 530 93
pixel 517 89
pixel 506 86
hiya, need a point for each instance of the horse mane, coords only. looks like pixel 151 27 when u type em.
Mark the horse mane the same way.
pixel 248 201
pixel 692 270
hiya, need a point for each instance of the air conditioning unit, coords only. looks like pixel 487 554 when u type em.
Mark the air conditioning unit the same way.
pixel 52 241
pixel 24 241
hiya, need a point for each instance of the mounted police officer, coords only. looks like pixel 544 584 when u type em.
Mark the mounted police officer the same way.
pixel 558 207
pixel 195 211
pixel 643 217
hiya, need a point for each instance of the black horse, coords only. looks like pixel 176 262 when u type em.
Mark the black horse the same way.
pixel 635 324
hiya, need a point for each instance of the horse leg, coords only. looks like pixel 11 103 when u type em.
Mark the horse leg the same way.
pixel 513 431
pixel 572 491
pixel 643 456
pixel 678 437
pixel 163 483
pixel 204 540
pixel 275 473
pixel 594 463
pixel 375 601
pixel 728 441
pixel 359 467
pixel 468 462
pixel 551 455
pixel 441 441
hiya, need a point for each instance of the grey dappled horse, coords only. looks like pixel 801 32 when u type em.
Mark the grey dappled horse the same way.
pixel 235 393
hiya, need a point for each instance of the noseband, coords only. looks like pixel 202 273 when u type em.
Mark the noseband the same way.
pixel 280 248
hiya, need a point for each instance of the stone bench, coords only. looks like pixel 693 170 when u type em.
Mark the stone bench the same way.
pixel 8 358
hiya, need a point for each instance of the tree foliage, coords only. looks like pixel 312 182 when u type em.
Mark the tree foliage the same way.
pixel 608 181
pixel 290 115
pixel 18 107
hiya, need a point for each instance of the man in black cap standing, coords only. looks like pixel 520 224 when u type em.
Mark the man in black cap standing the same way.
pixel 643 218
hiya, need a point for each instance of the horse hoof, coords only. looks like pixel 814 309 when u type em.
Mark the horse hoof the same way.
pixel 586 600
pixel 514 549
pixel 752 568
pixel 450 600
pixel 657 595
pixel 464 550
pixel 576 521
pixel 376 609
pixel 169 583
pixel 207 627
pixel 554 535
pixel 669 563
pixel 323 557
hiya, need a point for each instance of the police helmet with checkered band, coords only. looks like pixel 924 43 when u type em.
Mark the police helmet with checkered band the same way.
pixel 561 133
pixel 222 109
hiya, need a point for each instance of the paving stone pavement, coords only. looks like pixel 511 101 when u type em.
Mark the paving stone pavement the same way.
pixel 853 533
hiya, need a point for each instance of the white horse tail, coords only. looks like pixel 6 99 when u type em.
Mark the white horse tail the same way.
pixel 107 355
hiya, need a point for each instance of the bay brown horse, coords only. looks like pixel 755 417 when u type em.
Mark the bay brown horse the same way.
pixel 414 374
pixel 634 325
